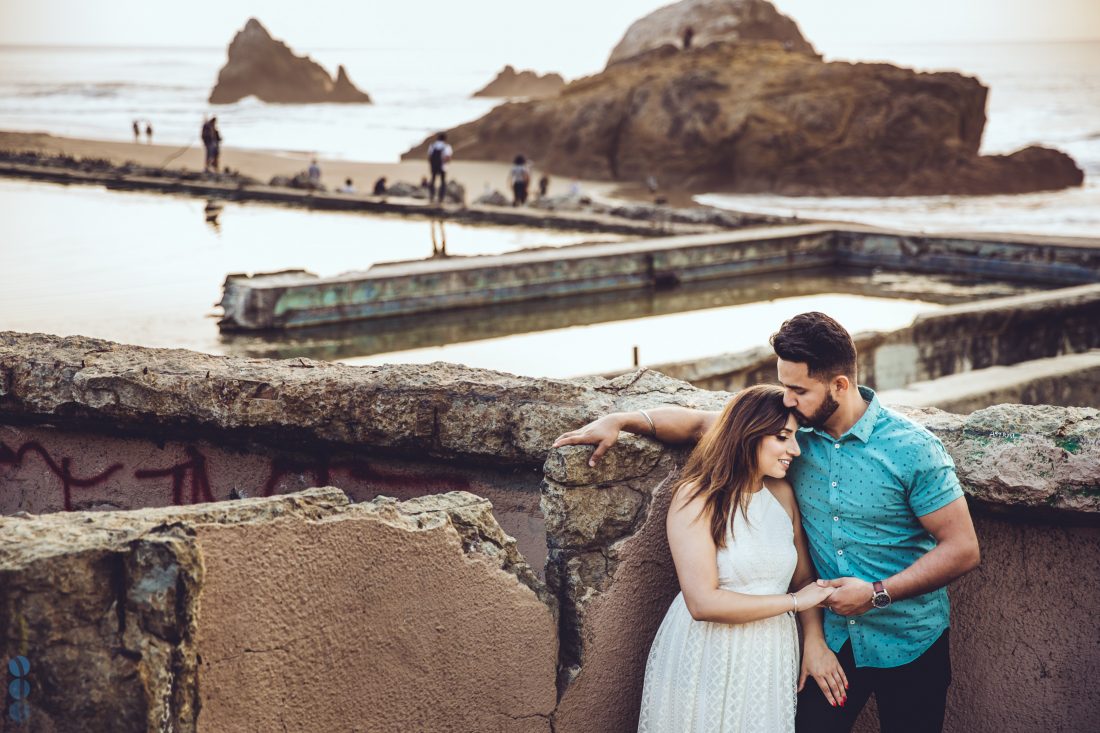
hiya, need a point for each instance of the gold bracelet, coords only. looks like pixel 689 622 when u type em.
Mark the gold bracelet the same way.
pixel 649 420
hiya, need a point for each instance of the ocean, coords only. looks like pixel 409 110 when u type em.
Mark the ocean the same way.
pixel 1040 93
pixel 147 269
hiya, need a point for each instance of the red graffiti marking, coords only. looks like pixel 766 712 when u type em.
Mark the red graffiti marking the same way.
pixel 200 483
pixel 68 481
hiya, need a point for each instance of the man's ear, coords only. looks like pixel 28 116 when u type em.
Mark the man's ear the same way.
pixel 841 383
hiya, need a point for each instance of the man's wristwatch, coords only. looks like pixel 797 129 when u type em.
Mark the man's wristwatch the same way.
pixel 881 599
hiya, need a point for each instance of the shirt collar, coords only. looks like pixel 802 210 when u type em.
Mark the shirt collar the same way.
pixel 865 425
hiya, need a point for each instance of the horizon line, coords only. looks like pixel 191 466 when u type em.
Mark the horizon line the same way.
pixel 203 47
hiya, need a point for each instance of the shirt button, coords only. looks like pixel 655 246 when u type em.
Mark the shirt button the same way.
pixel 836 519
pixel 834 484
pixel 836 445
pixel 840 552
pixel 852 622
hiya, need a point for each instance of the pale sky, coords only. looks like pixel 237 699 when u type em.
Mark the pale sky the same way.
pixel 574 27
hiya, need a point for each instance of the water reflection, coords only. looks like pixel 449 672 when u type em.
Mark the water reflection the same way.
pixel 212 211
pixel 406 333
pixel 439 243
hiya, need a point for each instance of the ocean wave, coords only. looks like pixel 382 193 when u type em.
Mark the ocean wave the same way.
pixel 94 90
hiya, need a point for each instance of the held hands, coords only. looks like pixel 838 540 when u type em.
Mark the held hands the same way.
pixel 852 596
pixel 819 662
pixel 602 433
pixel 813 595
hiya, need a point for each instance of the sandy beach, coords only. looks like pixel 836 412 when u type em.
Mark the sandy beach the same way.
pixel 263 165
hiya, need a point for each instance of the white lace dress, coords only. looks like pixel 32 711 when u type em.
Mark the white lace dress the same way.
pixel 706 677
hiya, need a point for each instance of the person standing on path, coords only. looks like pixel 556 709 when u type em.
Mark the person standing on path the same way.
pixel 439 155
pixel 520 178
pixel 887 523
pixel 211 140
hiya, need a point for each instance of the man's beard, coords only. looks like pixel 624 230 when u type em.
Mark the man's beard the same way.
pixel 820 416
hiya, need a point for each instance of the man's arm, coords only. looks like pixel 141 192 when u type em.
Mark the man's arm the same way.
pixel 955 554
pixel 671 424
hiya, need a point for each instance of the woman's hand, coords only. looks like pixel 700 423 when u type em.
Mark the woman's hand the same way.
pixel 812 595
pixel 819 662
pixel 602 433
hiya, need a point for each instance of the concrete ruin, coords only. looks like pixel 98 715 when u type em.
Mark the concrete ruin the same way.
pixel 280 301
pixel 950 358
pixel 180 610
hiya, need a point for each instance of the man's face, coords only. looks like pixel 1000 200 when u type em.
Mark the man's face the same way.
pixel 811 400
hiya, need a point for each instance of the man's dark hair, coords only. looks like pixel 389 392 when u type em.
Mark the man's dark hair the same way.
pixel 819 342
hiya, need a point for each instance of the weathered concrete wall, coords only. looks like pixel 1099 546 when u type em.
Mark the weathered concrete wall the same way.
pixel 1030 473
pixel 958 338
pixel 285 300
pixel 1072 380
pixel 49 469
pixel 290 613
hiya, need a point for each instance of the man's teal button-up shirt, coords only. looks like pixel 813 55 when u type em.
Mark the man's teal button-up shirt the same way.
pixel 860 496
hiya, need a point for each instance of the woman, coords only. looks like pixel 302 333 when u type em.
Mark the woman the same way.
pixel 726 655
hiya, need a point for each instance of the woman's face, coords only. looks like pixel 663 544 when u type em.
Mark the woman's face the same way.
pixel 775 452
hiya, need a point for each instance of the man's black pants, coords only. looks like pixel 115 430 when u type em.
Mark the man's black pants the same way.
pixel 911 698
pixel 442 175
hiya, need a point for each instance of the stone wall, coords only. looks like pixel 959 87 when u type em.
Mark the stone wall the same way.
pixel 291 613
pixel 282 595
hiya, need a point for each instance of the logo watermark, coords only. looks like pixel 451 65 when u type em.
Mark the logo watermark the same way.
pixel 19 689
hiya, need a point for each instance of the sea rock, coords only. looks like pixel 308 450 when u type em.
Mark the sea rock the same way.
pixel 406 190
pixel 263 67
pixel 509 83
pixel 298 180
pixel 710 21
pixel 492 198
pixel 755 118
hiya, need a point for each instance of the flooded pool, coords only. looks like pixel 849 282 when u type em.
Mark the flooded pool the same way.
pixel 147 269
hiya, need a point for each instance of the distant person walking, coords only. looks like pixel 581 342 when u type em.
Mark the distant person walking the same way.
pixel 212 141
pixel 544 185
pixel 137 131
pixel 149 132
pixel 439 155
pixel 314 173
pixel 689 34
pixel 520 177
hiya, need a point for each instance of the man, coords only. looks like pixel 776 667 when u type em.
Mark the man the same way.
pixel 886 520
pixel 439 155
pixel 211 140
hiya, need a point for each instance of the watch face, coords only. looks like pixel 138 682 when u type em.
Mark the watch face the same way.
pixel 880 600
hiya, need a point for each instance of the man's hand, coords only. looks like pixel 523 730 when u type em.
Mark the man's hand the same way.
pixel 852 596
pixel 602 433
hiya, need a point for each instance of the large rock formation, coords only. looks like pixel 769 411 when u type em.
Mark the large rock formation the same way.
pixel 510 83
pixel 710 21
pixel 754 117
pixel 260 66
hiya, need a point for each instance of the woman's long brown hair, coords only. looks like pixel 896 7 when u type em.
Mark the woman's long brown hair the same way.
pixel 723 468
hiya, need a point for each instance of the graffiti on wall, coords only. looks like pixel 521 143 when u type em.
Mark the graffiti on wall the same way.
pixel 60 469
pixel 189 480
